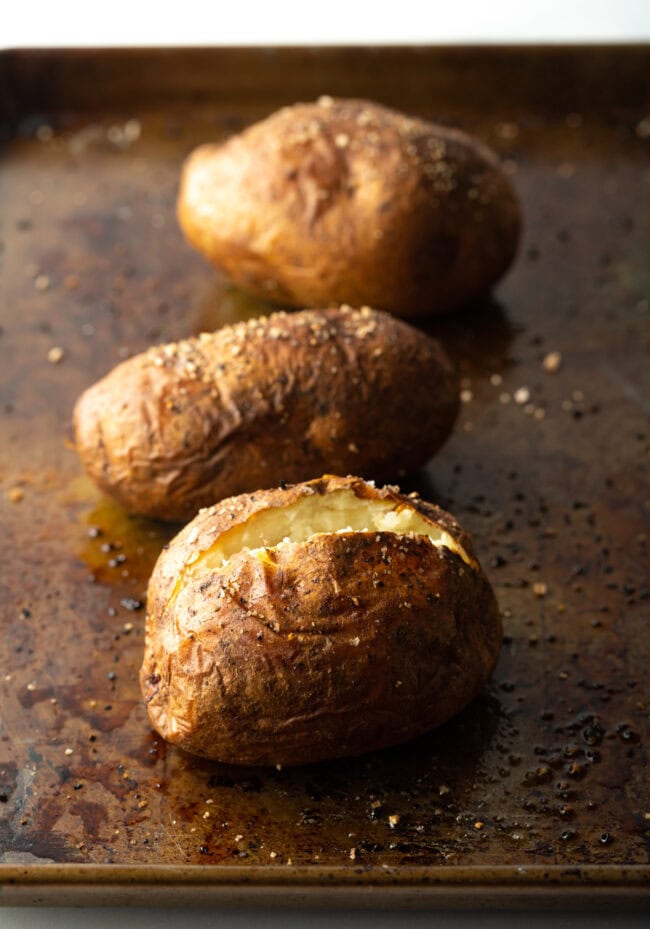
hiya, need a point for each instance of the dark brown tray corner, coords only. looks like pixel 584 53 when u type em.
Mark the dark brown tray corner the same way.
pixel 538 793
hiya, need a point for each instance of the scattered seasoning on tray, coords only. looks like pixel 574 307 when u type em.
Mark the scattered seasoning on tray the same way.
pixel 55 355
pixel 44 133
pixel 552 362
pixel 507 131
pixel 573 120
pixel 643 128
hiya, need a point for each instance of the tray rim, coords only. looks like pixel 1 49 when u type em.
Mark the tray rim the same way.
pixel 552 886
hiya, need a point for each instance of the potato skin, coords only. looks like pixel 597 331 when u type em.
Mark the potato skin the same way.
pixel 337 646
pixel 347 201
pixel 275 399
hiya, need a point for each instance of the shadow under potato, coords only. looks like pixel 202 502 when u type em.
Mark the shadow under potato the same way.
pixel 478 337
pixel 452 751
pixel 397 801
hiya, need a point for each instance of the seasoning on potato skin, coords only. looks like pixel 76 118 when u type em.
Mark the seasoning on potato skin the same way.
pixel 347 201
pixel 336 644
pixel 278 398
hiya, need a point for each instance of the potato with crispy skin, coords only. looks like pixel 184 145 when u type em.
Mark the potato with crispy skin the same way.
pixel 275 399
pixel 325 619
pixel 347 201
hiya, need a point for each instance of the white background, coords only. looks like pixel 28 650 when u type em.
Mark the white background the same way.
pixel 278 22
pixel 208 22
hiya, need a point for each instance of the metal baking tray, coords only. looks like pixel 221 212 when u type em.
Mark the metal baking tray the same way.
pixel 538 793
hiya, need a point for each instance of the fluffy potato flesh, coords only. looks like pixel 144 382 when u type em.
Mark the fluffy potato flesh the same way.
pixel 340 512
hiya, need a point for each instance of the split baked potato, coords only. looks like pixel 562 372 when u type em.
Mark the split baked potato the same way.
pixel 279 398
pixel 347 201
pixel 325 619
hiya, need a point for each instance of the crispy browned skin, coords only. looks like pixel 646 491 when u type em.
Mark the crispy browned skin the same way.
pixel 276 399
pixel 337 646
pixel 346 201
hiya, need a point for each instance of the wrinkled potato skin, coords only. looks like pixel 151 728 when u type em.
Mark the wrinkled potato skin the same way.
pixel 276 399
pixel 338 646
pixel 346 201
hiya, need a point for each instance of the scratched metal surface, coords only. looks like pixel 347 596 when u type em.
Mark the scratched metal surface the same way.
pixel 548 768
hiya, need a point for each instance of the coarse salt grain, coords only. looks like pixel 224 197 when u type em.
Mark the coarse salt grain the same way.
pixel 507 130
pixel 643 128
pixel 44 133
pixel 552 362
pixel 55 355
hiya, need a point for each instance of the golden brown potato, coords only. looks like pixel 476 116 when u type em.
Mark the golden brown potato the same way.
pixel 275 399
pixel 346 201
pixel 325 619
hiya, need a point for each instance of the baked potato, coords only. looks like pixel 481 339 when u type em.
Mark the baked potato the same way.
pixel 280 398
pixel 325 619
pixel 347 201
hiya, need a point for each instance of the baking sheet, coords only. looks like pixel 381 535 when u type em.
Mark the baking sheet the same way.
pixel 538 793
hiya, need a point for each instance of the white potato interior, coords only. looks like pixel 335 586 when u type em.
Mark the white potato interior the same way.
pixel 338 512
